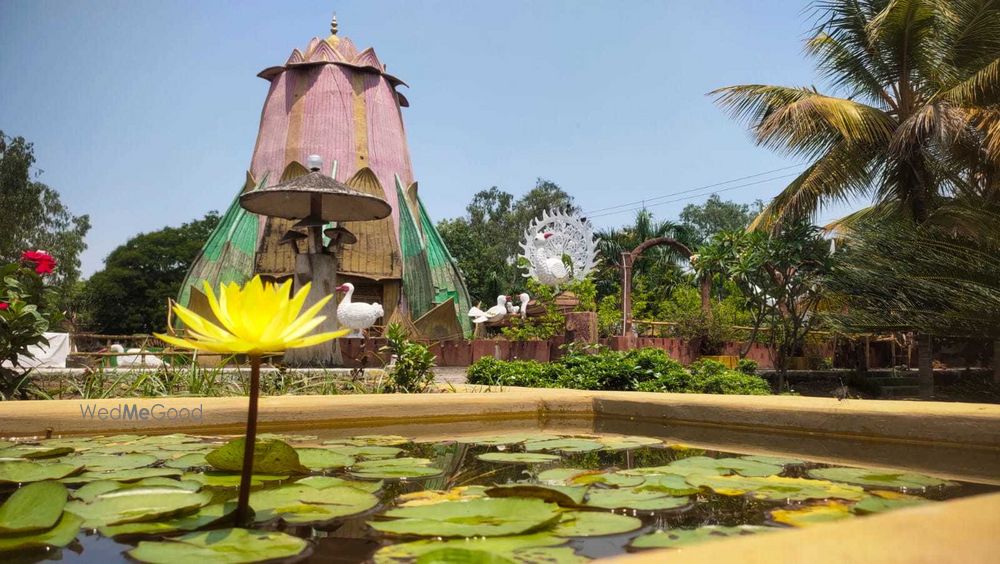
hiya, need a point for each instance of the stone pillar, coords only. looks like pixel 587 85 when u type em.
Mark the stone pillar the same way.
pixel 581 327
pixel 321 270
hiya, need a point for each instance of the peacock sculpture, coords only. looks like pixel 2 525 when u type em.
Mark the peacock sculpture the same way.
pixel 558 248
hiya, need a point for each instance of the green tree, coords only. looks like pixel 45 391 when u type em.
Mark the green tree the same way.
pixel 485 241
pixel 912 116
pixel 35 218
pixel 130 294
pixel 717 215
pixel 779 275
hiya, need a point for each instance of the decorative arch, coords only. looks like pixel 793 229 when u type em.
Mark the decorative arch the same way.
pixel 629 258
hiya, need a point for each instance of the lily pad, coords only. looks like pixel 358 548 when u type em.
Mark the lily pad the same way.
pixel 131 475
pixel 594 523
pixel 580 477
pixel 812 514
pixel 88 492
pixel 706 465
pixel 614 443
pixel 323 482
pixel 878 477
pixel 675 538
pixel 137 504
pixel 517 457
pixel 506 547
pixel 668 484
pixel 394 468
pixel 568 496
pixel 35 507
pixel 221 546
pixel 775 460
pixel 504 439
pixel 302 504
pixel 24 471
pixel 269 457
pixel 631 498
pixel 63 533
pixel 564 445
pixel 487 517
pixel 777 488
pixel 191 460
pixel 431 497
pixel 880 503
pixel 35 452
pixel 229 479
pixel 381 440
pixel 208 515
pixel 323 459
pixel 368 452
pixel 109 462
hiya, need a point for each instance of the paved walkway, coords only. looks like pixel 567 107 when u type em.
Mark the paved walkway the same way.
pixel 453 375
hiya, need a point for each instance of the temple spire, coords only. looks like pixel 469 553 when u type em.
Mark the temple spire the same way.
pixel 333 24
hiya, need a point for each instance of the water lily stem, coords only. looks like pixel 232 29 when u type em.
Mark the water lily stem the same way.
pixel 243 504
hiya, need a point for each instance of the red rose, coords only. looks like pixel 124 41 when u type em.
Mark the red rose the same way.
pixel 44 263
pixel 4 305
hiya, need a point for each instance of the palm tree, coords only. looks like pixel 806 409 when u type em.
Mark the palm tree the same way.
pixel 917 118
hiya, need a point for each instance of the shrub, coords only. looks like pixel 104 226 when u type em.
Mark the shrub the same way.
pixel 25 315
pixel 413 370
pixel 747 366
pixel 648 370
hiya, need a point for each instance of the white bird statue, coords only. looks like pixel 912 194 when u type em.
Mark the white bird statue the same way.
pixel 552 241
pixel 356 316
pixel 495 313
pixel 523 298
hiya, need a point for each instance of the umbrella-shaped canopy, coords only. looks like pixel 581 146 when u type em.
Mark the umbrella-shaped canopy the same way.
pixel 340 235
pixel 317 196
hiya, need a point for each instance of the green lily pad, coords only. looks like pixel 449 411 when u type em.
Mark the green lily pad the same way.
pixel 631 498
pixel 287 437
pixel 569 496
pixel 35 507
pixel 229 479
pixel 430 497
pixel 517 457
pixel 228 546
pixel 302 504
pixel 485 517
pixel 628 442
pixel 35 452
pixel 463 555
pixel 110 462
pixel 323 459
pixel 775 460
pixel 204 448
pixel 190 460
pixel 269 457
pixel 706 465
pixel 505 547
pixel 137 504
pixel 24 471
pixel 368 452
pixel 812 514
pixel 208 515
pixel 555 555
pixel 63 533
pixel 324 482
pixel 675 538
pixel 580 477
pixel 389 468
pixel 877 477
pixel 668 484
pixel 777 488
pixel 594 523
pixel 88 492
pixel 878 503
pixel 131 475
pixel 504 439
pixel 563 445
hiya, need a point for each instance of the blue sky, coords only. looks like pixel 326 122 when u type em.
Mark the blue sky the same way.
pixel 144 113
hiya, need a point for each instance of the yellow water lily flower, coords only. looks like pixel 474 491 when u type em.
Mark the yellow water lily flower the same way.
pixel 256 319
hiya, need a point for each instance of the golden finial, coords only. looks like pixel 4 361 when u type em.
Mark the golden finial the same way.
pixel 333 24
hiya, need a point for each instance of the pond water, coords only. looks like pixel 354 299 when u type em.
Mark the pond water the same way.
pixel 524 496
